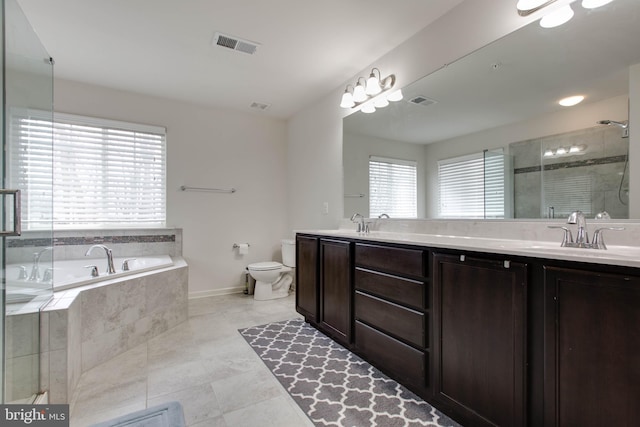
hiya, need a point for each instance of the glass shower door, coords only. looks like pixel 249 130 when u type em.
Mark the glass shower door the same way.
pixel 25 256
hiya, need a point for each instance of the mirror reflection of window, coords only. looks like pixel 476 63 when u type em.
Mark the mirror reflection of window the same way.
pixel 393 188
pixel 472 186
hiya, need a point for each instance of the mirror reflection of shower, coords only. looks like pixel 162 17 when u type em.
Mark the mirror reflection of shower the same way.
pixel 625 134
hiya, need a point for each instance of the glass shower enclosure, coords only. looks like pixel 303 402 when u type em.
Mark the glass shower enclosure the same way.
pixel 26 255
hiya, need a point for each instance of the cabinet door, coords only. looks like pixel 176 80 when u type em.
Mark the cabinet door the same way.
pixel 335 289
pixel 307 277
pixel 479 339
pixel 592 348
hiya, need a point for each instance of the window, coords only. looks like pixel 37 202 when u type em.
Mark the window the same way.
pixel 392 188
pixel 472 186
pixel 105 173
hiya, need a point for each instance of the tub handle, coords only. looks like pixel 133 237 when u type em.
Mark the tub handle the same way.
pixel 94 270
pixel 125 264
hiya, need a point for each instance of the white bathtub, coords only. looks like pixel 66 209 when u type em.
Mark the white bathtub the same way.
pixel 72 273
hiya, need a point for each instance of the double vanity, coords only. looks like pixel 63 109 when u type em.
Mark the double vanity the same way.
pixel 491 331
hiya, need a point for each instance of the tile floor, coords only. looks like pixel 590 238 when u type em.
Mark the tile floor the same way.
pixel 203 363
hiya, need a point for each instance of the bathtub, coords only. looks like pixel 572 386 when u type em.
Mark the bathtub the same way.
pixel 73 273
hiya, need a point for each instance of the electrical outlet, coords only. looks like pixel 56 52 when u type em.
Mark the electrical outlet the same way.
pixel 325 208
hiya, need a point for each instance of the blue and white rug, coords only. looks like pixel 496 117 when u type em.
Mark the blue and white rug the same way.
pixel 333 386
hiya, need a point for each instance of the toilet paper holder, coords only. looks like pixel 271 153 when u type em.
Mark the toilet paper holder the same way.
pixel 236 245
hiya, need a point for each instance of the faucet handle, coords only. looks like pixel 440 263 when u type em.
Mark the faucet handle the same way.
pixel 598 239
pixel 94 270
pixel 567 236
pixel 23 273
pixel 125 264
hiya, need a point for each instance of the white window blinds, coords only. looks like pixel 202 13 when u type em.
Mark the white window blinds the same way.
pixel 105 173
pixel 472 186
pixel 392 188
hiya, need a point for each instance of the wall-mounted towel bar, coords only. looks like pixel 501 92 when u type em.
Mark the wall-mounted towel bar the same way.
pixel 354 195
pixel 209 190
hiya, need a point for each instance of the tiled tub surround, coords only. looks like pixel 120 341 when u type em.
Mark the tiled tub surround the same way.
pixel 72 244
pixel 86 326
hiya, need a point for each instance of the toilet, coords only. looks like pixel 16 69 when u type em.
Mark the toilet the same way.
pixel 273 279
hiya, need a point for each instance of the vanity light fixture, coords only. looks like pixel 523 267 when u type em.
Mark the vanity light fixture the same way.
pixel 527 7
pixel 570 101
pixel 374 93
pixel 563 151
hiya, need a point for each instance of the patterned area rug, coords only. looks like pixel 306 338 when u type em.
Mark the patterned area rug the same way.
pixel 333 386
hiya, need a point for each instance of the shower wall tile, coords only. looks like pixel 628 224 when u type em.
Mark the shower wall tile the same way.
pixel 21 376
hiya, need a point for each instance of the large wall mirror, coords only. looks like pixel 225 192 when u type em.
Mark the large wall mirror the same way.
pixel 493 116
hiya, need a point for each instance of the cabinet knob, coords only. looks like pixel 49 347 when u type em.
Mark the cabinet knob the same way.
pixel 462 258
pixel 507 264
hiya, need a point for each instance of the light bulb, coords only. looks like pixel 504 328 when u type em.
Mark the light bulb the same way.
pixel 373 85
pixel 347 100
pixel 560 151
pixel 395 96
pixel 592 4
pixel 574 149
pixel 369 108
pixel 358 93
pixel 548 153
pixel 381 102
pixel 557 17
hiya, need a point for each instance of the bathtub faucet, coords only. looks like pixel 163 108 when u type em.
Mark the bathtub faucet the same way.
pixel 35 269
pixel 110 268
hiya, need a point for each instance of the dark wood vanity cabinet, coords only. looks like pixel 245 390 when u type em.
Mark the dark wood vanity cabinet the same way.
pixel 592 348
pixel 335 290
pixel 479 340
pixel 488 340
pixel 307 276
pixel 391 311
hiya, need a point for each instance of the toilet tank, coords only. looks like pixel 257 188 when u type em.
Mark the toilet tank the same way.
pixel 289 252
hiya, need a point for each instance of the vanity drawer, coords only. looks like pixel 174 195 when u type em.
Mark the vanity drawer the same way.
pixel 409 262
pixel 398 359
pixel 392 318
pixel 405 291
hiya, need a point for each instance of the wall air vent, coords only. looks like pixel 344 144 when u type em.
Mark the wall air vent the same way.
pixel 235 43
pixel 422 100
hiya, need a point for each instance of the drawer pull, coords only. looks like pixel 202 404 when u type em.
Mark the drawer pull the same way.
pixel 507 264
pixel 462 258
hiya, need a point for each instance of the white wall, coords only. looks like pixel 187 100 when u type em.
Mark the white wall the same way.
pixel 634 141
pixel 356 152
pixel 208 148
pixel 580 117
pixel 315 133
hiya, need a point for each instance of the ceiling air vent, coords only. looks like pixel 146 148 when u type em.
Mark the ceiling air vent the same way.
pixel 423 100
pixel 259 106
pixel 235 43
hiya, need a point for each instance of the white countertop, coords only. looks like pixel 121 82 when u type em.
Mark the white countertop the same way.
pixel 628 256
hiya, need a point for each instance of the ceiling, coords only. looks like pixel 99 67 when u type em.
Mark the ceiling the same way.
pixel 516 78
pixel 163 48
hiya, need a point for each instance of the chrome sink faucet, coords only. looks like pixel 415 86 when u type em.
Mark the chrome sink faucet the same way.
pixel 361 226
pixel 110 268
pixel 582 237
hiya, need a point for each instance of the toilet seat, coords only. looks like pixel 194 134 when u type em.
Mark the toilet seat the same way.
pixel 265 266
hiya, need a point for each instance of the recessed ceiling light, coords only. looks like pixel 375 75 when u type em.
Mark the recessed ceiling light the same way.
pixel 571 101
pixel 557 17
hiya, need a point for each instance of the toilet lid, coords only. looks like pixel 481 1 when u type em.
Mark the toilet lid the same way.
pixel 264 266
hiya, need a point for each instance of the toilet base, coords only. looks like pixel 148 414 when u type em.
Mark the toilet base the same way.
pixel 263 291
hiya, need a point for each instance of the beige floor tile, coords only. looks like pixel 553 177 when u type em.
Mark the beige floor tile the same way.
pixel 199 403
pixel 203 363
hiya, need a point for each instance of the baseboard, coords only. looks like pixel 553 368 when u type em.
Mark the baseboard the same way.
pixel 216 292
